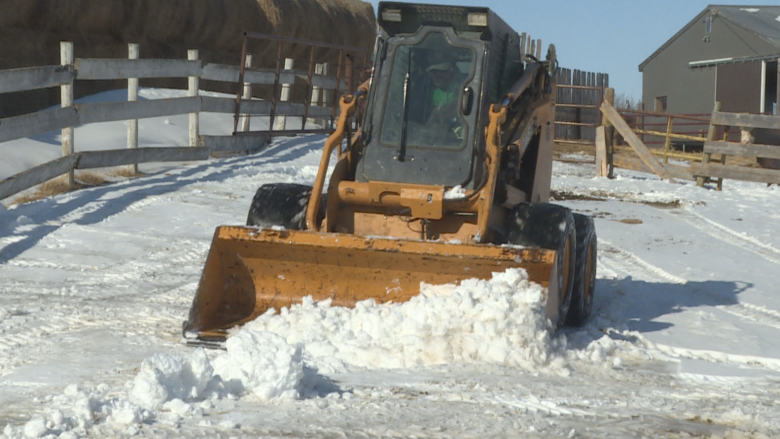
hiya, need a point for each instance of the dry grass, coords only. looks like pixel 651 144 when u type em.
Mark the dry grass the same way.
pixel 83 179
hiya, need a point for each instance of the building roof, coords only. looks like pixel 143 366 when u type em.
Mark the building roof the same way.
pixel 763 21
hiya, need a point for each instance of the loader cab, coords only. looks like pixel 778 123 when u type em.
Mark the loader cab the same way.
pixel 436 69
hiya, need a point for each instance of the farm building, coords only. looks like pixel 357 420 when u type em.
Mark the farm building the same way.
pixel 727 54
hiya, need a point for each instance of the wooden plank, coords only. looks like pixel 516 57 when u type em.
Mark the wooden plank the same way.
pixel 261 108
pixel 33 78
pixel 622 127
pixel 671 135
pixel 135 68
pixel 746 120
pixel 601 152
pixel 119 157
pixel 711 131
pixel 635 164
pixel 289 109
pixel 218 105
pixel 40 122
pixel 738 149
pixel 112 111
pixel 37 175
pixel 736 172
pixel 228 105
pixel 225 73
pixel 234 143
pixel 315 111
pixel 323 81
pixel 220 72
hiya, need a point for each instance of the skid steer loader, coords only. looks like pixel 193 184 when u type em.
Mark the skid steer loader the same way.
pixel 447 179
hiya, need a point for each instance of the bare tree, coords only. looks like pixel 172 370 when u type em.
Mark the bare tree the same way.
pixel 629 102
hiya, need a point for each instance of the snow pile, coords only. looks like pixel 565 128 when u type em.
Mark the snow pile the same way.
pixel 455 193
pixel 499 321
pixel 256 363
pixel 164 378
pixel 261 364
pixel 77 411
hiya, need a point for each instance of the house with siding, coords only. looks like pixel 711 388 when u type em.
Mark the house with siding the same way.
pixel 726 53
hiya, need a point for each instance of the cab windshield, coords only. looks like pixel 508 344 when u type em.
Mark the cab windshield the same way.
pixel 423 109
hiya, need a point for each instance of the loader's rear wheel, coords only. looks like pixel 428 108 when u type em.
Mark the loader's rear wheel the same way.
pixel 281 204
pixel 584 271
pixel 551 227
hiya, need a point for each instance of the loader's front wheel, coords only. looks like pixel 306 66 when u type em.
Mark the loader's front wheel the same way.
pixel 584 271
pixel 550 227
pixel 281 204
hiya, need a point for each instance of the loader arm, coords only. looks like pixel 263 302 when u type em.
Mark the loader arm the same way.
pixel 347 105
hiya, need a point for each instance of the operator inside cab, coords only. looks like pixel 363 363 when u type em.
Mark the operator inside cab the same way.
pixel 446 83
pixel 424 94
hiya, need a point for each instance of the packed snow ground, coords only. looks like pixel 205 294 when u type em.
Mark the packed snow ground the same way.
pixel 94 286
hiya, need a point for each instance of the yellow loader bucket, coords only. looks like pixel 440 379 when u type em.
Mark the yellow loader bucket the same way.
pixel 249 271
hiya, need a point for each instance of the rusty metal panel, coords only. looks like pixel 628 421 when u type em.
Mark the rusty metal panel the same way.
pixel 738 87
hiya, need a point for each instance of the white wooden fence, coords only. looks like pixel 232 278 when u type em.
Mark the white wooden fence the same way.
pixel 71 115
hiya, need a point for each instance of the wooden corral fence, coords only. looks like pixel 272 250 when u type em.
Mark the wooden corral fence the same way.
pixel 577 106
pixel 700 167
pixel 200 147
pixel 726 148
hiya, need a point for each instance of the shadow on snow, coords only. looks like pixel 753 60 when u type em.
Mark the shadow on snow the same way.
pixel 43 211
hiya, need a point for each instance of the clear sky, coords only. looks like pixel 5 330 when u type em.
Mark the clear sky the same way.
pixel 606 36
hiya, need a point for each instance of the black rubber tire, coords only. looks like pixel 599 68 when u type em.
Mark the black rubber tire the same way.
pixel 550 227
pixel 282 204
pixel 584 271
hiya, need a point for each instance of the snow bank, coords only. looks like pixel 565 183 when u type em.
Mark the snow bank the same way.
pixel 261 364
pixel 166 377
pixel 77 411
pixel 498 321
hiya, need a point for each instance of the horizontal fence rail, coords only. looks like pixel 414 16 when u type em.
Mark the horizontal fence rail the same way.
pixel 703 167
pixel 201 146
pixel 33 78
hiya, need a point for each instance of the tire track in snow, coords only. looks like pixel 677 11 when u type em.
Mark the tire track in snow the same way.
pixel 619 260
pixel 548 408
pixel 726 234
pixel 748 361
pixel 754 313
pixel 24 343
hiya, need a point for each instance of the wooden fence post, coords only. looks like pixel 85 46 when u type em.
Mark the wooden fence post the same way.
pixel 668 141
pixel 247 95
pixel 723 156
pixel 319 69
pixel 326 93
pixel 539 49
pixel 601 152
pixel 66 100
pixel 710 137
pixel 522 47
pixel 132 96
pixel 609 133
pixel 281 121
pixel 194 84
